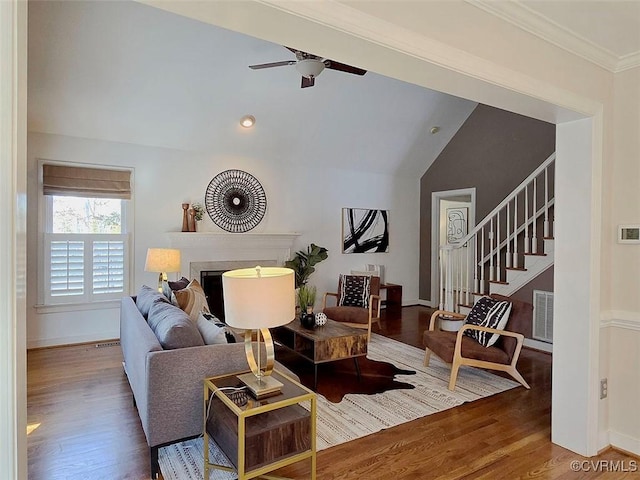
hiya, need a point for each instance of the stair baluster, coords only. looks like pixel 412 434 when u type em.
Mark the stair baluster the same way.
pixel 534 225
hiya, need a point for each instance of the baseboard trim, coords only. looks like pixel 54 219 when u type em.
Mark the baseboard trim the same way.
pixel 538 345
pixel 72 340
pixel 425 303
pixel 625 442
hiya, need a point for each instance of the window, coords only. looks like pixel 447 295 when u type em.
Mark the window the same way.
pixel 86 243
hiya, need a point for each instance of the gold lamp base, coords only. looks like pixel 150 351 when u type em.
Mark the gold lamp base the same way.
pixel 259 382
pixel 260 387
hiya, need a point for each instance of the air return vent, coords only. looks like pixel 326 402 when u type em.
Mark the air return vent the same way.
pixel 543 316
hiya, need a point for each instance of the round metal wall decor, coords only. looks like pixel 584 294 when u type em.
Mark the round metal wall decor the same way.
pixel 235 201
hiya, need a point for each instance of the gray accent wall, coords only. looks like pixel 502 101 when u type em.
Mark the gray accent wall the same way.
pixel 493 151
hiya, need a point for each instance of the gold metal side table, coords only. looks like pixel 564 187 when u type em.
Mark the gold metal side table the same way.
pixel 259 436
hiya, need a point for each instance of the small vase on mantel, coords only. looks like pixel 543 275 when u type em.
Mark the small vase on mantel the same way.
pixel 185 217
pixel 308 320
pixel 191 222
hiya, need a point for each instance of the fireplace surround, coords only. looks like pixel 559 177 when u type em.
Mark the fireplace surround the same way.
pixel 206 255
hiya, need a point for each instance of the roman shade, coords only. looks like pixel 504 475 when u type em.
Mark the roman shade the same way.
pixel 86 182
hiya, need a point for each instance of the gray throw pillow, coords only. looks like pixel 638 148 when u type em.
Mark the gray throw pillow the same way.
pixel 147 296
pixel 172 327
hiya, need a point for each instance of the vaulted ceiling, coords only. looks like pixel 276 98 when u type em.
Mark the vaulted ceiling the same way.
pixel 127 72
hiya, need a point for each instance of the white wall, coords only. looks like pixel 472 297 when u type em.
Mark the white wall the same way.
pixel 302 199
pixel 621 313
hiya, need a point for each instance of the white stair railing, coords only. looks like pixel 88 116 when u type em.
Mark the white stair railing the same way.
pixel 495 243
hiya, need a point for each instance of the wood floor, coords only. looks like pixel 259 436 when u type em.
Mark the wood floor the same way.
pixel 85 427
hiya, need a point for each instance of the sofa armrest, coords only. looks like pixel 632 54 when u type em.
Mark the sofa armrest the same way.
pixel 136 341
pixel 174 387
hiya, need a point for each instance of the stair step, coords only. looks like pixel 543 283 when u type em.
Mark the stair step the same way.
pixel 517 269
pixel 464 305
pixel 548 238
pixel 498 282
pixel 536 254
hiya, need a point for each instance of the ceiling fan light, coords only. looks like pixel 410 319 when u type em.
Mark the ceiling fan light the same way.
pixel 248 121
pixel 310 67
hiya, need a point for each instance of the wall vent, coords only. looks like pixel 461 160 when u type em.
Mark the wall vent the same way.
pixel 108 344
pixel 543 316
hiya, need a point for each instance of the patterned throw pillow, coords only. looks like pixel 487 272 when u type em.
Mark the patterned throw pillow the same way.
pixel 490 313
pixel 214 331
pixel 192 300
pixel 354 290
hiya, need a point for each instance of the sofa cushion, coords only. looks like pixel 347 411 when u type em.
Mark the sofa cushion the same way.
pixel 354 291
pixel 213 331
pixel 519 321
pixel 173 327
pixel 443 345
pixel 192 300
pixel 146 297
pixel 347 314
pixel 490 313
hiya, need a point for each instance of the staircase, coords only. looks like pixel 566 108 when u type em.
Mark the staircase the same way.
pixel 507 249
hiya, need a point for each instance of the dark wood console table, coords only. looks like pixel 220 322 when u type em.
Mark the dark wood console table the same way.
pixel 394 295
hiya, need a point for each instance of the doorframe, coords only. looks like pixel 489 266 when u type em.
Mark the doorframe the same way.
pixel 436 198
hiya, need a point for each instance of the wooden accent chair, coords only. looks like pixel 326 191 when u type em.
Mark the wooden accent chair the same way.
pixel 353 315
pixel 458 349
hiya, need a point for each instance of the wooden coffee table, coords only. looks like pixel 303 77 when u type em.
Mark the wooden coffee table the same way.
pixel 331 342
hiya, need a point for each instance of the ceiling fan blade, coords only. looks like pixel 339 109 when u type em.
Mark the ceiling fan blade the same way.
pixel 343 67
pixel 273 64
pixel 307 82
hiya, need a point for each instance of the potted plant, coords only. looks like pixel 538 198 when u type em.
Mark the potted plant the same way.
pixel 306 300
pixel 303 262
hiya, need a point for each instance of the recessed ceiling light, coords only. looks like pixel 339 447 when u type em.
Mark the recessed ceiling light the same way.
pixel 248 121
pixel 434 130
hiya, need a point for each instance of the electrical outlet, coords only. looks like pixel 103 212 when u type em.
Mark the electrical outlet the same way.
pixel 603 388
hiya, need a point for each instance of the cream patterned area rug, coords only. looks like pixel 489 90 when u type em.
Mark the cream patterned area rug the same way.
pixel 358 415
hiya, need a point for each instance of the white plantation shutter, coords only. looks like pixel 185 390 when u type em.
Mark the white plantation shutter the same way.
pixel 108 266
pixel 86 267
pixel 66 268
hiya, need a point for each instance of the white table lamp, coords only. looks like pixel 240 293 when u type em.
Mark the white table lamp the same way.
pixel 258 299
pixel 162 260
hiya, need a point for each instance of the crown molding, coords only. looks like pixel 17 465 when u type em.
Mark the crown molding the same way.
pixel 343 18
pixel 628 61
pixel 556 34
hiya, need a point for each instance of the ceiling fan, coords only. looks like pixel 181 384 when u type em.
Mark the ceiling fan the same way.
pixel 310 66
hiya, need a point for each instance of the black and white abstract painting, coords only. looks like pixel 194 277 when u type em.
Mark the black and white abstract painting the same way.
pixel 365 231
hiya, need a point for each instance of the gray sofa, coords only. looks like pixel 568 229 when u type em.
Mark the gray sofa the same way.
pixel 167 385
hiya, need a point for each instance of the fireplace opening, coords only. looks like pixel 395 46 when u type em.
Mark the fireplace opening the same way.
pixel 211 281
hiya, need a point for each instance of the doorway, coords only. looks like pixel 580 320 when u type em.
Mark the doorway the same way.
pixel 448 224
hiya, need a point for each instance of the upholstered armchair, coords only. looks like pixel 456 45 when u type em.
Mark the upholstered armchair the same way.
pixel 459 349
pixel 357 302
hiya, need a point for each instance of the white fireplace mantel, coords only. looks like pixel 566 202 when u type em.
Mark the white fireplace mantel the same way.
pixel 231 240
pixel 202 247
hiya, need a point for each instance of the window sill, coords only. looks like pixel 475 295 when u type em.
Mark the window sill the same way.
pixel 77 307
